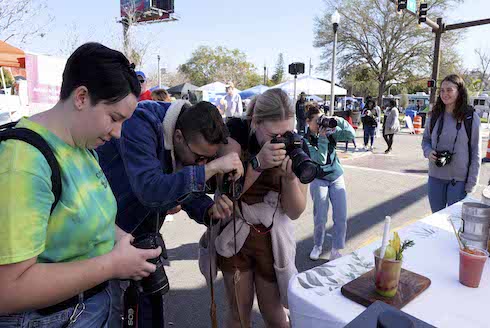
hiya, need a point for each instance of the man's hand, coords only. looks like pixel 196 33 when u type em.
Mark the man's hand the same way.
pixel 228 163
pixel 174 210
pixel 271 155
pixel 222 208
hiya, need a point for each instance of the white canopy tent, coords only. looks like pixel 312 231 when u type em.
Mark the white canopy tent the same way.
pixel 309 85
pixel 215 87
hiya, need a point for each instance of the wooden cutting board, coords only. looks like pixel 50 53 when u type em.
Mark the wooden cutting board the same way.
pixel 361 290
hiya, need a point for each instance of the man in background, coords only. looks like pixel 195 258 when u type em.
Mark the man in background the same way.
pixel 145 93
pixel 234 106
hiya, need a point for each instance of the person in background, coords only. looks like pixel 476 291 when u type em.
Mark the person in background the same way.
pixel 330 185
pixel 301 113
pixel 369 123
pixel 452 126
pixel 234 107
pixel 349 120
pixel 145 93
pixel 55 262
pixel 391 125
pixel 160 95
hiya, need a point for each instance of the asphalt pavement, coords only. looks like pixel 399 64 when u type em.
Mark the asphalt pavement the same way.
pixel 377 185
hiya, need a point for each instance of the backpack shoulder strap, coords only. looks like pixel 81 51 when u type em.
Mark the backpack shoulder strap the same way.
pixel 433 120
pixel 468 125
pixel 8 132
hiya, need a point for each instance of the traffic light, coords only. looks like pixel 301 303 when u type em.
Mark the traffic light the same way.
pixel 422 12
pixel 402 4
pixel 431 84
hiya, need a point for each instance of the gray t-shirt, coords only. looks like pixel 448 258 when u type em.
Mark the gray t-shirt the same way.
pixel 458 167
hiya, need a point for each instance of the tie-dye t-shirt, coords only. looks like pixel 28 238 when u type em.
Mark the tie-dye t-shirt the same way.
pixel 81 226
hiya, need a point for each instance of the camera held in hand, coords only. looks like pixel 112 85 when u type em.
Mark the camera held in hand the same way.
pixel 327 122
pixel 305 169
pixel 157 282
pixel 232 189
pixel 443 158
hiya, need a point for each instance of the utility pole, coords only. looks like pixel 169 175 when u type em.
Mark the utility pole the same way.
pixel 309 70
pixel 436 62
pixel 265 75
pixel 159 73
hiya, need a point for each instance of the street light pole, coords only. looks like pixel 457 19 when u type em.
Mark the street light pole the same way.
pixel 159 73
pixel 335 24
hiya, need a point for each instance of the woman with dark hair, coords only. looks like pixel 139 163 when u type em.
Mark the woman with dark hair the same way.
pixel 329 186
pixel 391 125
pixel 57 254
pixel 452 143
pixel 369 123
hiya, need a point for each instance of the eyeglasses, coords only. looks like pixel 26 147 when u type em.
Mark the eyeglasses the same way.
pixel 198 157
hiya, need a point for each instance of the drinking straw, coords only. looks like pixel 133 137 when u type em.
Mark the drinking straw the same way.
pixel 456 234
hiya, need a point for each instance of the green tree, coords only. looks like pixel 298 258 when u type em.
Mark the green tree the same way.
pixel 9 80
pixel 359 80
pixel 208 65
pixel 278 75
pixel 371 33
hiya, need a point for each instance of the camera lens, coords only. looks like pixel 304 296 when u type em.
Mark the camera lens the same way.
pixel 157 282
pixel 304 168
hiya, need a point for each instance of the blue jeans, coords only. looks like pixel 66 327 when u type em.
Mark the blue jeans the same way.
pixel 96 315
pixel 444 193
pixel 322 191
pixel 369 132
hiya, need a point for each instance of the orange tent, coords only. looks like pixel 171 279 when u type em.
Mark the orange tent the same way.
pixel 11 56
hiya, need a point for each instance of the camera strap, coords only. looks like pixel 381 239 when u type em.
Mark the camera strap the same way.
pixel 439 131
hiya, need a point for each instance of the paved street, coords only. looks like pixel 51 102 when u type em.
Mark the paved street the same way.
pixel 377 185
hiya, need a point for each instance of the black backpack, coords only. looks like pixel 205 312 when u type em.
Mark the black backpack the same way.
pixel 8 131
pixel 468 124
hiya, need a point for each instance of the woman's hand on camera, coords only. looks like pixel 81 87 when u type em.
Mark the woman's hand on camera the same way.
pixel 129 262
pixel 271 155
pixel 222 208
pixel 287 169
pixel 432 156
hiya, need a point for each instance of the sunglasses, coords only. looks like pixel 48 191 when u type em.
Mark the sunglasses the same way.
pixel 142 81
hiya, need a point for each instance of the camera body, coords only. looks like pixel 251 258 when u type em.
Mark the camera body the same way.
pixel 304 168
pixel 157 282
pixel 232 189
pixel 327 122
pixel 444 158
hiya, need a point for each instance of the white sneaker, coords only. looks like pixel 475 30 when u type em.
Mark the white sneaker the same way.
pixel 356 149
pixel 371 148
pixel 315 253
pixel 365 148
pixel 334 254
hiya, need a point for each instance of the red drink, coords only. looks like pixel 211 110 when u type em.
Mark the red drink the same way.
pixel 471 263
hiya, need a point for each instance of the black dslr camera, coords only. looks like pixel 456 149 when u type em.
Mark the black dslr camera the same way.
pixel 304 168
pixel 232 189
pixel 326 122
pixel 157 282
pixel 443 158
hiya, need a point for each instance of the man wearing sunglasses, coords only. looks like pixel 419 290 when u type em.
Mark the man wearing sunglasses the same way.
pixel 161 163
pixel 145 92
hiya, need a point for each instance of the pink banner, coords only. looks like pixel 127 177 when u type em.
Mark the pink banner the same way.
pixel 44 76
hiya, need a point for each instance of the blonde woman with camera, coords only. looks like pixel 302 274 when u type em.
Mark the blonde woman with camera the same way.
pixel 452 143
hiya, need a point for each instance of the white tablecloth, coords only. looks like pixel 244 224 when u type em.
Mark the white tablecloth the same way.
pixel 315 299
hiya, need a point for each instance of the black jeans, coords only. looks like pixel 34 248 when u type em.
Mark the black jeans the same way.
pixel 389 140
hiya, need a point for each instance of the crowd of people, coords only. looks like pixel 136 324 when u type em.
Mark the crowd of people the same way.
pixel 67 239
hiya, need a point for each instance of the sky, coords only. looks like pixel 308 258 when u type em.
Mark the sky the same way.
pixel 260 28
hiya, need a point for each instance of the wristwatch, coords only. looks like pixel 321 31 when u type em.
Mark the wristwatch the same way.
pixel 256 164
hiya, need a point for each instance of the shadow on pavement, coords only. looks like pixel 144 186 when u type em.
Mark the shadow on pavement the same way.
pixel 197 301
pixel 360 223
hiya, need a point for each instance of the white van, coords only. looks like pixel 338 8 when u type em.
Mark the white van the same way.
pixel 481 104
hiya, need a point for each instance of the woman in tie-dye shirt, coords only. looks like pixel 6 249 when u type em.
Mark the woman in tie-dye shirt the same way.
pixel 55 265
